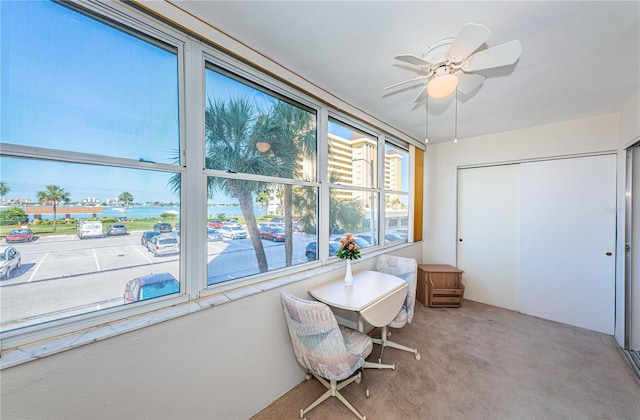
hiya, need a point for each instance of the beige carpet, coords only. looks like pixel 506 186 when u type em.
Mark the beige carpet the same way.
pixel 483 362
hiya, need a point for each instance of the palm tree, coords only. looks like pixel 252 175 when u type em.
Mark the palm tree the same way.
pixel 348 213
pixel 125 198
pixel 305 202
pixel 232 130
pixel 293 139
pixel 263 198
pixel 54 195
pixel 4 189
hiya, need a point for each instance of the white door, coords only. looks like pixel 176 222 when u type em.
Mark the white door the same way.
pixel 488 234
pixel 567 241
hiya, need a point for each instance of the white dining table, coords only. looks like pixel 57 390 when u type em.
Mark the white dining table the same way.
pixel 376 297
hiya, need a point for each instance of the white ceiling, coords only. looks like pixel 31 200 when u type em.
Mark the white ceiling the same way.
pixel 579 59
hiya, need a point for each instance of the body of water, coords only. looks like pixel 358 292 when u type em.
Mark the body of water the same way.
pixel 144 212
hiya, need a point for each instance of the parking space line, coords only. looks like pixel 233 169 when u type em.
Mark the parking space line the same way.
pixel 140 252
pixel 35 270
pixel 95 256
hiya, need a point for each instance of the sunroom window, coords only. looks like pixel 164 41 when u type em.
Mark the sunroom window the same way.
pixel 260 157
pixel 353 177
pixel 90 162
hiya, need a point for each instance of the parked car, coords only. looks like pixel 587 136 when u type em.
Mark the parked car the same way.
pixel 233 231
pixel 150 286
pixel 393 237
pixel 403 233
pixel 310 250
pixel 146 235
pixel 89 229
pixel 273 234
pixel 20 235
pixel 214 235
pixel 362 243
pixel 337 230
pixel 372 240
pixel 163 245
pixel 163 227
pixel 9 260
pixel 214 224
pixel 116 229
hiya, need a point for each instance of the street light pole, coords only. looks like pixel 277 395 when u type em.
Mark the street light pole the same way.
pixel 371 206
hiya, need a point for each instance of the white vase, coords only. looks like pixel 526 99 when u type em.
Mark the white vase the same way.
pixel 348 277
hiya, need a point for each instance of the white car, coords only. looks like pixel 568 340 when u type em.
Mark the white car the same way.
pixel 89 229
pixel 233 232
pixel 10 260
pixel 163 245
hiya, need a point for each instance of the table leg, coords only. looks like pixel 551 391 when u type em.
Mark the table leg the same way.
pixel 372 365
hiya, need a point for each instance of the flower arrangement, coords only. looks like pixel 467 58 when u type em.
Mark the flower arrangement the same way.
pixel 349 249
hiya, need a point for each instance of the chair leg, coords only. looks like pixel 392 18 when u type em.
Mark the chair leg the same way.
pixel 366 387
pixel 333 390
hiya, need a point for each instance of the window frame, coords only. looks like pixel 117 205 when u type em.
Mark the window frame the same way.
pixel 122 19
pixel 194 55
pixel 407 149
pixel 376 189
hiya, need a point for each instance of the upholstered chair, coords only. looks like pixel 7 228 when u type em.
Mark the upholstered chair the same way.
pixel 406 269
pixel 330 352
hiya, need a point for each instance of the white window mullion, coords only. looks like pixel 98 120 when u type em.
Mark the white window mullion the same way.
pixel 323 176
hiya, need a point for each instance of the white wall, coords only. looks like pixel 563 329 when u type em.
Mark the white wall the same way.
pixel 226 362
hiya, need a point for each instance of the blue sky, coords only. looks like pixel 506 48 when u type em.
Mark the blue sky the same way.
pixel 127 107
pixel 69 82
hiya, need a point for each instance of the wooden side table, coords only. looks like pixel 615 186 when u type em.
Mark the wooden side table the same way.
pixel 440 285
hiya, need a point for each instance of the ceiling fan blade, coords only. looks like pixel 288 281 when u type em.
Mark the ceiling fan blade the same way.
pixel 421 96
pixel 408 81
pixel 469 82
pixel 469 39
pixel 500 55
pixel 412 59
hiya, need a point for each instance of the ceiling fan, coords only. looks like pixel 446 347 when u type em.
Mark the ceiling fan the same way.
pixel 450 63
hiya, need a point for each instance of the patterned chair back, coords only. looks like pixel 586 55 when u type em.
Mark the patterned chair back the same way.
pixel 317 341
pixel 406 269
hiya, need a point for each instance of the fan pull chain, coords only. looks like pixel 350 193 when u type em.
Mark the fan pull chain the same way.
pixel 426 139
pixel 455 137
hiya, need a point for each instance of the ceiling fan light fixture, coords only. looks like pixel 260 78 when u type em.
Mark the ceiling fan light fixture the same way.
pixel 442 86
pixel 263 146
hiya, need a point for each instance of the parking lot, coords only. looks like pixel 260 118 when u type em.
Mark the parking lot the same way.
pixel 63 275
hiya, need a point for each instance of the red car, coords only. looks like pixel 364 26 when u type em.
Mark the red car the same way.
pixel 273 234
pixel 214 224
pixel 20 235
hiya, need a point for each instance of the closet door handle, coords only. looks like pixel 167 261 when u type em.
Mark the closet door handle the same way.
pixel 608 253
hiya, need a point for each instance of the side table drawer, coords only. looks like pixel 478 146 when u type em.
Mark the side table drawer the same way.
pixel 445 297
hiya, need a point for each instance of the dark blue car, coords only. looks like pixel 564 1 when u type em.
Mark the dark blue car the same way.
pixel 149 287
pixel 311 253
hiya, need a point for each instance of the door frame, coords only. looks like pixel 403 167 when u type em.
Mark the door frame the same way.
pixel 632 356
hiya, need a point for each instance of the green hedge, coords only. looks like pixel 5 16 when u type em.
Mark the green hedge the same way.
pixel 13 216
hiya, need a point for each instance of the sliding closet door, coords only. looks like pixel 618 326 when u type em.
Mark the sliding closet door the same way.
pixel 488 234
pixel 567 241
